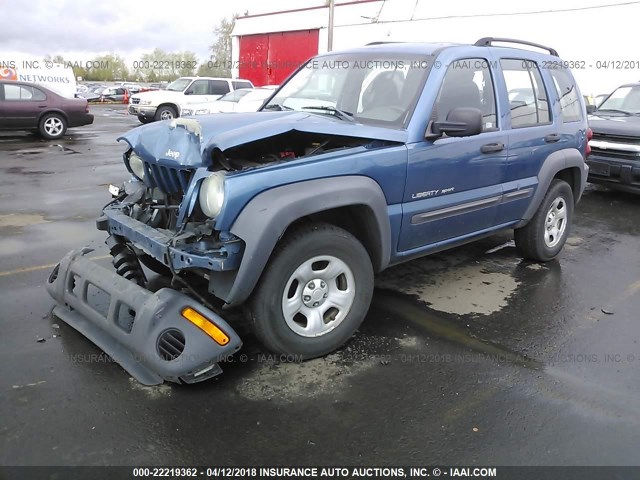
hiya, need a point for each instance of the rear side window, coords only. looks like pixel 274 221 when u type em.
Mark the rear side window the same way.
pixel 239 84
pixel 528 100
pixel 38 95
pixel 22 92
pixel 218 87
pixel 568 94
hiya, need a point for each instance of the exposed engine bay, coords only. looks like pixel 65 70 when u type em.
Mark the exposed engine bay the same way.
pixel 286 147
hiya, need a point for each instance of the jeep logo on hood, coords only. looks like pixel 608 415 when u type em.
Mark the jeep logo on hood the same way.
pixel 172 154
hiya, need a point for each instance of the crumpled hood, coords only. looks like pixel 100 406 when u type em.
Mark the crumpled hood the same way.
pixel 191 141
pixel 615 125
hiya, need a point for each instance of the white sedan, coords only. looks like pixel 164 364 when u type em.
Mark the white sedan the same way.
pixel 241 100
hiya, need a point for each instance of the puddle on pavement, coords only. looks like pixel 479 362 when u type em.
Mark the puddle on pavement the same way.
pixel 23 171
pixel 273 380
pixel 470 289
pixel 12 223
pixel 405 308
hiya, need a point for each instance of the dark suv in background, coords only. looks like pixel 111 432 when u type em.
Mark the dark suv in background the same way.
pixel 615 146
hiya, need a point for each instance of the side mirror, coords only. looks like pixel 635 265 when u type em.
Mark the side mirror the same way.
pixel 460 122
pixel 188 92
pixel 591 109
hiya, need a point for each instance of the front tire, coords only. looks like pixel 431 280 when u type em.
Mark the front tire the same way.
pixel 144 120
pixel 314 293
pixel 166 113
pixel 544 236
pixel 52 126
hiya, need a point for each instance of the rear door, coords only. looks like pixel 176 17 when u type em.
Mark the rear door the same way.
pixel 218 88
pixel 453 185
pixel 22 105
pixel 533 133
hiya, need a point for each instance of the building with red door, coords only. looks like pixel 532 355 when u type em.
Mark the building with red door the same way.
pixel 267 47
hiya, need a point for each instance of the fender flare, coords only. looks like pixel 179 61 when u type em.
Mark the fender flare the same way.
pixel 554 163
pixel 266 217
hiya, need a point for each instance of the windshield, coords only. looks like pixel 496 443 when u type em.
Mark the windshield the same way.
pixel 377 90
pixel 624 99
pixel 179 85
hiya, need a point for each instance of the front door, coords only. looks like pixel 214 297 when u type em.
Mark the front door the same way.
pixel 454 185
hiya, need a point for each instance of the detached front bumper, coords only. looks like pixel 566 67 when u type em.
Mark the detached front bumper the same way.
pixel 147 333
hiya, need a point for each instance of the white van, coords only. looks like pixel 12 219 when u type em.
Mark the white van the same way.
pixel 54 76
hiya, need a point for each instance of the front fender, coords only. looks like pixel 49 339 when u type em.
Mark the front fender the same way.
pixel 266 217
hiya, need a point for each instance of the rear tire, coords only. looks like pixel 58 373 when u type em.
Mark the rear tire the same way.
pixel 52 126
pixel 314 293
pixel 544 236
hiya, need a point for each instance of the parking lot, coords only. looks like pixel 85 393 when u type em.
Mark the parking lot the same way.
pixel 472 356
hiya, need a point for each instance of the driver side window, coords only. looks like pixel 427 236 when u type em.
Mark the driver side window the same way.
pixel 468 83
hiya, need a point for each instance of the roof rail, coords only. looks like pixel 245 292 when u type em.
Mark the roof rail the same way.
pixel 380 43
pixel 487 42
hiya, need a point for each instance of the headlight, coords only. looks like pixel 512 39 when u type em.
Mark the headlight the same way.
pixel 145 102
pixel 186 112
pixel 137 165
pixel 212 194
pixel 203 111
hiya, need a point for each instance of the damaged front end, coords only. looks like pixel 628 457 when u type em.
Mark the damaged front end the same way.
pixel 165 218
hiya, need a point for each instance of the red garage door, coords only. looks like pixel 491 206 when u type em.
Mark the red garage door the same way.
pixel 269 58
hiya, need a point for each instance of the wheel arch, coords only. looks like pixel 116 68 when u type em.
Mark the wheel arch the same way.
pixel 62 113
pixel 337 200
pixel 568 165
pixel 175 107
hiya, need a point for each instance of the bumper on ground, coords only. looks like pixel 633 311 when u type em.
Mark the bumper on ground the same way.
pixel 147 333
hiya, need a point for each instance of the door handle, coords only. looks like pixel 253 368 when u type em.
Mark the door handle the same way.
pixel 492 147
pixel 554 137
pixel 42 106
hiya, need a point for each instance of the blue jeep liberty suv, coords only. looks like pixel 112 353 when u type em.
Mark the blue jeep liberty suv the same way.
pixel 362 159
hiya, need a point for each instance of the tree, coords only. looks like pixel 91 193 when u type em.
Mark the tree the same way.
pixel 220 60
pixel 161 65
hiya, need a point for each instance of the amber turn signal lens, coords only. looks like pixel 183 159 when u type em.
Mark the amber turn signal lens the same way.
pixel 206 325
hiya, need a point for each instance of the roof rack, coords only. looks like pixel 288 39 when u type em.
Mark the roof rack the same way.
pixel 487 42
pixel 380 43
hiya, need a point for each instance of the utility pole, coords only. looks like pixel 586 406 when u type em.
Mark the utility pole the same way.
pixel 332 4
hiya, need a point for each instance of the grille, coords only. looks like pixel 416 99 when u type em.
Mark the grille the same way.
pixel 171 344
pixel 168 179
pixel 616 138
pixel 135 101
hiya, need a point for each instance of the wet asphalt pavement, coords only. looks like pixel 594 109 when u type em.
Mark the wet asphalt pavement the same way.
pixel 472 356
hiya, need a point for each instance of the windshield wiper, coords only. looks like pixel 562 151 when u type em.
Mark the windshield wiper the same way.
pixel 334 111
pixel 276 106
pixel 628 114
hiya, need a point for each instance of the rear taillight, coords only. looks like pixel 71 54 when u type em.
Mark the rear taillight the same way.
pixel 587 150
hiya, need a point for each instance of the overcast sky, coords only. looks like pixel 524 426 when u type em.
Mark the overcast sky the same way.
pixel 79 30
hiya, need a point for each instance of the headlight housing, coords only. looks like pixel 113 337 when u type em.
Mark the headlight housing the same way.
pixel 136 165
pixel 145 102
pixel 185 112
pixel 202 111
pixel 212 194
